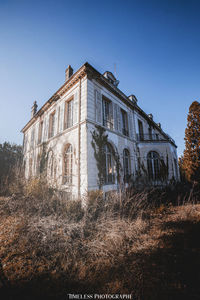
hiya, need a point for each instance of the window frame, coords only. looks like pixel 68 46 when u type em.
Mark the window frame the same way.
pixel 124 118
pixel 68 164
pixel 126 165
pixel 52 123
pixel 109 177
pixel 40 132
pixel 66 112
pixel 140 130
pixel 32 137
pixel 153 166
pixel 107 113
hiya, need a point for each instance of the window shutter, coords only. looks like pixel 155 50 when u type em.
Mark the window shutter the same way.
pixel 130 125
pixel 115 117
pixel 119 118
pixel 75 108
pixel 98 107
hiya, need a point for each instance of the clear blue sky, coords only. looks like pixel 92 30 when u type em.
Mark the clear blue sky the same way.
pixel 154 44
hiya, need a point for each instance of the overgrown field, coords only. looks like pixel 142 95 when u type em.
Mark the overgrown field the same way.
pixel 145 243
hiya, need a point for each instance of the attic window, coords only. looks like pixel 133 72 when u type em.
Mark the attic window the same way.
pixel 111 78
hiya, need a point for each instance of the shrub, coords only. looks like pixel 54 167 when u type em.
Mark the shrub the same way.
pixel 95 205
pixel 74 210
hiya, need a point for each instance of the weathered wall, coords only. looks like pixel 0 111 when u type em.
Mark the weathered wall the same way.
pixel 88 118
pixel 55 145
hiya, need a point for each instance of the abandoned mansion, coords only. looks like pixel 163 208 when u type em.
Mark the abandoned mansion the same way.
pixel 65 138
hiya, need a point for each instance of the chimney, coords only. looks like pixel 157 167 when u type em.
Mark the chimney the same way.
pixel 34 109
pixel 68 73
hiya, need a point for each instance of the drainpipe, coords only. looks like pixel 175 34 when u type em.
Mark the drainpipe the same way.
pixel 79 141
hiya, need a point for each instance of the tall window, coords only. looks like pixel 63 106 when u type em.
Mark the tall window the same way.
pixel 52 124
pixel 68 118
pixel 68 164
pixel 40 132
pixel 109 175
pixel 58 125
pixel 141 132
pixel 32 137
pixel 150 133
pixel 153 164
pixel 50 164
pixel 25 143
pixel 124 122
pixel 126 161
pixel 107 113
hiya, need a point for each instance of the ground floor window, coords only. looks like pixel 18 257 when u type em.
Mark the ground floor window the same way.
pixel 109 173
pixel 153 164
pixel 68 164
pixel 126 163
pixel 50 164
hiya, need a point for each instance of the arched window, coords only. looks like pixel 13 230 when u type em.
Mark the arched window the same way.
pixel 68 164
pixel 153 164
pixel 126 163
pixel 109 175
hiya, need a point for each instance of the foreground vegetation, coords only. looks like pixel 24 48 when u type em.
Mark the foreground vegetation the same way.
pixel 144 243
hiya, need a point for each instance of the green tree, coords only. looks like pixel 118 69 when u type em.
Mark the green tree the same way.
pixel 191 155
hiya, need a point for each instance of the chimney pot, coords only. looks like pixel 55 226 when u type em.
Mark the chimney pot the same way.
pixel 68 73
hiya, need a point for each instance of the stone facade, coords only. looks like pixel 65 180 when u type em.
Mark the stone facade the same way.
pixel 59 136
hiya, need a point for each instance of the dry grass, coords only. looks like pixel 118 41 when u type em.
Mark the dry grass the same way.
pixel 50 247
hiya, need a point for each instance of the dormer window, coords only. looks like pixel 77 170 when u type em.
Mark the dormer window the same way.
pixel 111 78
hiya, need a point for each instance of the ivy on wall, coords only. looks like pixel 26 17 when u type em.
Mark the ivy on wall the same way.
pixel 99 141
